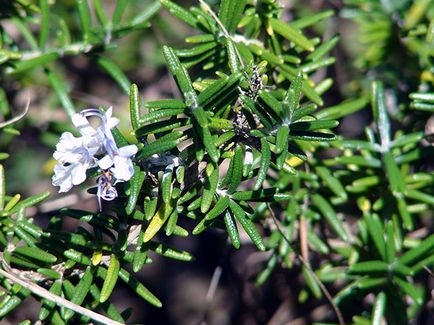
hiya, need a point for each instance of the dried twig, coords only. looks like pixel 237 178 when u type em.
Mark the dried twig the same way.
pixel 41 292
pixel 309 269
pixel 18 117
pixel 223 28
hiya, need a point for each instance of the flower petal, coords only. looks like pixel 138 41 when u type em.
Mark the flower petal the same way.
pixel 123 168
pixel 128 151
pixel 78 173
pixel 110 122
pixel 106 162
pixel 62 178
pixel 83 125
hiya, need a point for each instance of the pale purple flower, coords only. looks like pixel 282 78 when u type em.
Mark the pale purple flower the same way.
pixel 76 155
pixel 106 190
pixel 119 162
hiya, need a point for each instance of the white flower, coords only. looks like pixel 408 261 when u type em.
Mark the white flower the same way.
pixel 102 134
pixel 75 156
pixel 118 162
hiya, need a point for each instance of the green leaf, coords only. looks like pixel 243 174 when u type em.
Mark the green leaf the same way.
pixel 390 242
pixel 30 202
pixel 380 113
pixel 109 309
pixel 230 13
pixel 110 279
pixel 157 221
pixel 201 38
pixel 116 73
pixel 134 284
pixel 180 13
pixel 171 223
pixel 2 187
pixel 218 209
pixel 236 169
pixel 140 254
pixel 119 10
pixel 376 232
pixel 317 243
pixel 209 190
pixel 139 288
pixel 273 106
pixel 232 229
pixel 314 125
pixel 267 271
pixel 247 225
pixel 311 136
pixel 37 61
pixel 341 110
pixel 410 289
pixel 134 106
pixel 45 22
pixel 8 304
pixel 169 252
pixel 357 145
pixel 311 283
pixel 316 65
pixel 218 89
pixel 368 283
pixel 197 50
pixel 85 18
pixel 418 252
pixel 358 161
pixel 310 20
pixel 100 13
pixel 180 74
pixel 265 163
pixel 157 115
pixel 406 139
pixel 425 97
pixel 291 34
pixel 282 139
pixel 35 253
pixel 323 49
pixel 330 215
pixel 370 267
pixel 208 142
pixel 165 143
pixel 133 188
pixel 164 104
pixel 49 273
pixel 81 290
pixel 379 308
pixel 291 102
pixel 166 184
pixel 404 213
pixel 420 196
pixel 61 92
pixel 233 60
pixel 261 195
pixel 77 256
pixel 332 182
pixel 48 305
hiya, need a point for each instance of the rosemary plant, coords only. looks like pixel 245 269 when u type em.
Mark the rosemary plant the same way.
pixel 248 146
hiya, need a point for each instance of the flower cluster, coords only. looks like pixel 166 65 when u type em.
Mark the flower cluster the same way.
pixel 95 147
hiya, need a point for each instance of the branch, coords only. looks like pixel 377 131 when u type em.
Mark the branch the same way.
pixel 223 28
pixel 16 118
pixel 309 269
pixel 41 292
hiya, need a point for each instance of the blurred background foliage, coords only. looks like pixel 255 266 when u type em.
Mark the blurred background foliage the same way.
pixel 373 186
